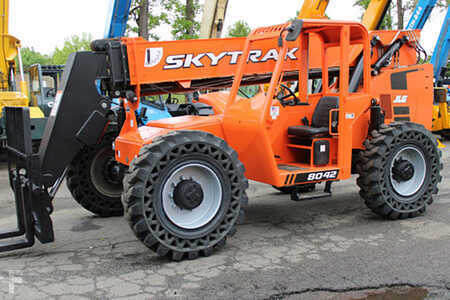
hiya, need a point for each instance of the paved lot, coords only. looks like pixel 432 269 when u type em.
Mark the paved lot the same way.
pixel 332 248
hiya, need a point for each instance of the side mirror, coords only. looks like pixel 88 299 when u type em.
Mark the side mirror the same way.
pixel 294 30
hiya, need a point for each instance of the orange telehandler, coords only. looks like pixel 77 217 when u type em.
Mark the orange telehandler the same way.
pixel 102 176
pixel 184 189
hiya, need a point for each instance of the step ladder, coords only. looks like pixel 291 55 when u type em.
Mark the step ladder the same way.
pixel 298 196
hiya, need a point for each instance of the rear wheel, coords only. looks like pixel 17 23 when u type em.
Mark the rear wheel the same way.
pixel 184 194
pixel 399 170
pixel 95 179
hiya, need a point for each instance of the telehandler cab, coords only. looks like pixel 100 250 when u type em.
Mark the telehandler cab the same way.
pixel 184 189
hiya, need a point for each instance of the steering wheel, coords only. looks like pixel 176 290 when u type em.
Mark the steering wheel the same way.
pixel 282 96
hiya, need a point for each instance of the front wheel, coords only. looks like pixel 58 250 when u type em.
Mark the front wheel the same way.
pixel 94 179
pixel 399 170
pixel 184 194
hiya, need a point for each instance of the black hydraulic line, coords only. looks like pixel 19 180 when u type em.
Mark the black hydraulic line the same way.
pixel 357 75
pixel 358 71
pixel 385 59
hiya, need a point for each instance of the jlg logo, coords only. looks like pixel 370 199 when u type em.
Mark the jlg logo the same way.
pixel 401 99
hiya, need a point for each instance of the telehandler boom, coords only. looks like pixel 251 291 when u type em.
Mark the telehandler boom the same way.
pixel 313 9
pixel 184 189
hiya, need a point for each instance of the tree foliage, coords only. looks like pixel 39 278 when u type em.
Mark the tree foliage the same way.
pixel 183 21
pixel 238 29
pixel 73 44
pixel 31 56
pixel 147 17
pixel 59 57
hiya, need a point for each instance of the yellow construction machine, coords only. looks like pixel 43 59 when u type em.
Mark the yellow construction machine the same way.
pixel 10 49
pixel 315 9
pixel 13 91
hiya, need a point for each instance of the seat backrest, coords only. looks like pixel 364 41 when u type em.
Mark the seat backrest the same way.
pixel 321 115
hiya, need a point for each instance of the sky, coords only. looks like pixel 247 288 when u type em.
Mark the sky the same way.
pixel 45 24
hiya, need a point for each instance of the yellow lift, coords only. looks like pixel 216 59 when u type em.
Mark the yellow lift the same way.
pixel 10 50
pixel 315 9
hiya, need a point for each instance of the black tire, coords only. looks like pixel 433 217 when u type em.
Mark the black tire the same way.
pixel 149 176
pixel 393 190
pixel 94 190
pixel 304 188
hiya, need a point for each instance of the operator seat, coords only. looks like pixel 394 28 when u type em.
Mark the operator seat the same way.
pixel 320 120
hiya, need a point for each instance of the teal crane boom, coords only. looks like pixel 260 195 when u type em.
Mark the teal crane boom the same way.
pixel 421 14
pixel 441 52
pixel 117 18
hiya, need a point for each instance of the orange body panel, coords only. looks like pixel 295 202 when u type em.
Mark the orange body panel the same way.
pixel 129 142
pixel 188 63
pixel 217 100
pixel 257 127
pixel 416 96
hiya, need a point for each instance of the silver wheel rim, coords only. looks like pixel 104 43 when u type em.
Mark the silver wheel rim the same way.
pixel 97 178
pixel 212 196
pixel 416 158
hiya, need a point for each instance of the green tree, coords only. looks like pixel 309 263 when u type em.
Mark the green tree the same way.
pixel 73 44
pixel 146 16
pixel 401 9
pixel 238 29
pixel 31 56
pixel 183 20
pixel 181 15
